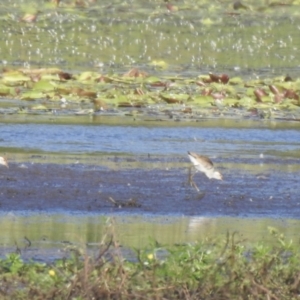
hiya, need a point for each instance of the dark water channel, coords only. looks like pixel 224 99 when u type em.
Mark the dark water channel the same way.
pixel 62 176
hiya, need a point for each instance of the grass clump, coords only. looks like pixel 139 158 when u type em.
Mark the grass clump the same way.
pixel 221 269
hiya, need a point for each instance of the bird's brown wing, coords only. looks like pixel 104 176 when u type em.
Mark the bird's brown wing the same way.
pixel 204 159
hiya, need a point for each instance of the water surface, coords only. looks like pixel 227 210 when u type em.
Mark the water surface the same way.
pixel 199 37
pixel 153 140
pixel 61 177
pixel 49 236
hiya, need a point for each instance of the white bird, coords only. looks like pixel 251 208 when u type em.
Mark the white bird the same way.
pixel 3 161
pixel 203 164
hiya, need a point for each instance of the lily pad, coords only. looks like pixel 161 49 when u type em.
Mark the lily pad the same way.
pixel 32 95
pixel 15 79
pixel 43 85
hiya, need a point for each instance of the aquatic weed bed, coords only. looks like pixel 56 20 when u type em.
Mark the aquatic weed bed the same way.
pixel 138 95
pixel 150 61
pixel 227 268
pixel 245 38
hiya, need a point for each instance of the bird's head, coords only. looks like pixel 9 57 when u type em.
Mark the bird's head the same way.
pixel 218 175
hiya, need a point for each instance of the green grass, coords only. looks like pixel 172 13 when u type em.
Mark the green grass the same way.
pixel 226 268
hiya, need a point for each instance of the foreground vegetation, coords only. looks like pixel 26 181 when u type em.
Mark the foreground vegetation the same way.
pixel 223 269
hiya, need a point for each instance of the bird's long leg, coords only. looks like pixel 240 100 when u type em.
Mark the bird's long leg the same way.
pixel 190 176
pixel 191 180
pixel 195 186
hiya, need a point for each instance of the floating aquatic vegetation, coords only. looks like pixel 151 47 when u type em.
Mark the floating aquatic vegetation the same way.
pixel 205 95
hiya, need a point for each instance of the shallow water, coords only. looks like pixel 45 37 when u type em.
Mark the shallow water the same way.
pixel 132 140
pixel 61 177
pixel 48 237
pixel 199 37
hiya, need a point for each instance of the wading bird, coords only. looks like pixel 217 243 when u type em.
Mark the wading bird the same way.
pixel 203 164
